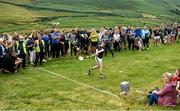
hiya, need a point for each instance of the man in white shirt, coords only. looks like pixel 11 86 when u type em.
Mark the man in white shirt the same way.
pixel 116 40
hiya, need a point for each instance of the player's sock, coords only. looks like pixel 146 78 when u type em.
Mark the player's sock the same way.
pixel 89 71
pixel 94 68
pixel 102 76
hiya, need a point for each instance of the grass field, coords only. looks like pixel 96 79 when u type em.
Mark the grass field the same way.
pixel 34 88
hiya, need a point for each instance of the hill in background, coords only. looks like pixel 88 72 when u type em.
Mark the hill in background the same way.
pixel 25 14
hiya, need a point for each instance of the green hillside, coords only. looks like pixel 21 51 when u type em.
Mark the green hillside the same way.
pixel 86 13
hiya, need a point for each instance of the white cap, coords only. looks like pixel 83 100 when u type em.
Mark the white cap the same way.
pixel 21 37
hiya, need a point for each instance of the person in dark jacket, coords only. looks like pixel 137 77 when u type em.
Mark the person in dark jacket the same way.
pixel 46 39
pixel 30 49
pixel 62 45
pixel 73 42
pixel 11 63
pixel 2 52
pixel 131 41
pixel 20 48
pixel 107 37
pixel 66 42
pixel 55 43
pixel 40 50
pixel 123 40
pixel 137 32
pixel 84 42
pixel 157 35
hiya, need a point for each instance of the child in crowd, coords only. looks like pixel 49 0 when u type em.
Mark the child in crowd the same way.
pixel 138 44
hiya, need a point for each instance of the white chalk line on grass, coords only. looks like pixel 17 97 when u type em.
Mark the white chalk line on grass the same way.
pixel 99 90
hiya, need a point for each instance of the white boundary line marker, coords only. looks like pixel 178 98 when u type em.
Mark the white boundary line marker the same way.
pixel 102 91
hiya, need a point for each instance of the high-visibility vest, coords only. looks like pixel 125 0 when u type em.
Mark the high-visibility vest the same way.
pixel 24 46
pixel 5 43
pixel 94 37
pixel 37 48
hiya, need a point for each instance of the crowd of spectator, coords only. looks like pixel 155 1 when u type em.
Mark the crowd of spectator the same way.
pixel 40 46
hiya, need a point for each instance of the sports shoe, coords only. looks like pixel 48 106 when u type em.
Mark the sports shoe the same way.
pixel 32 63
pixel 89 72
pixel 178 95
pixel 102 76
pixel 44 61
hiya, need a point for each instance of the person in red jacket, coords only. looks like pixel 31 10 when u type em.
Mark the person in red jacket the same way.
pixel 176 76
pixel 176 80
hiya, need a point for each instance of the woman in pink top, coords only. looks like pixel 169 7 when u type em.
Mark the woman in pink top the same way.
pixel 166 96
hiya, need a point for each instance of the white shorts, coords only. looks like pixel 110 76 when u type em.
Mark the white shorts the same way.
pixel 173 35
pixel 156 37
pixel 98 60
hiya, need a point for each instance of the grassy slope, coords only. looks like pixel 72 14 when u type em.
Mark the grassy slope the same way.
pixel 22 18
pixel 94 13
pixel 34 89
pixel 157 7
